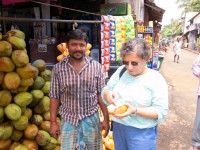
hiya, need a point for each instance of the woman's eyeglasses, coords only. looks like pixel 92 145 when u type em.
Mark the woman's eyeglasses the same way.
pixel 133 63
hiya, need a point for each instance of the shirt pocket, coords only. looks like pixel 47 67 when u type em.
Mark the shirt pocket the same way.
pixel 90 84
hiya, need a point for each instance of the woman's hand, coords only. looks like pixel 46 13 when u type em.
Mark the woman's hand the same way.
pixel 130 110
pixel 110 97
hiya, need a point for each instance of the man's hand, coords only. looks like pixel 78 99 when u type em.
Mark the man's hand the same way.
pixel 54 129
pixel 106 127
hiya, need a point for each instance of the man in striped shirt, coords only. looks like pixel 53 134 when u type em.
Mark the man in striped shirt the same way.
pixel 75 90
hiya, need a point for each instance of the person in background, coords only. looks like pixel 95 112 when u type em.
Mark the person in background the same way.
pixel 196 127
pixel 144 91
pixel 75 91
pixel 177 49
pixel 163 45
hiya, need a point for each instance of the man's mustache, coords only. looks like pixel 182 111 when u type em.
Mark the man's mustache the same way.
pixel 78 51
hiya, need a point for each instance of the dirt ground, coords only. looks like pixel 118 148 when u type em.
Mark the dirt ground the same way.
pixel 175 132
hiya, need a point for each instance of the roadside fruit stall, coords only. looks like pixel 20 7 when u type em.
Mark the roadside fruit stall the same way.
pixel 25 84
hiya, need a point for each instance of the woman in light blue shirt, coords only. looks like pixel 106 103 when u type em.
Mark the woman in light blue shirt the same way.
pixel 144 91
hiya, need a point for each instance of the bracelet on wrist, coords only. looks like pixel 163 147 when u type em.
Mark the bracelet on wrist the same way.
pixel 135 111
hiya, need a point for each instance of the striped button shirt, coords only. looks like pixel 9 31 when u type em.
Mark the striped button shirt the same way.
pixel 196 70
pixel 77 92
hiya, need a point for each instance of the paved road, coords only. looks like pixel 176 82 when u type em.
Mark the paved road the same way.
pixel 175 132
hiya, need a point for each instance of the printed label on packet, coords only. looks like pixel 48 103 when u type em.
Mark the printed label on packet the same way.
pixel 106 67
pixel 105 52
pixel 112 57
pixel 112 42
pixel 112 34
pixel 112 49
pixel 106 59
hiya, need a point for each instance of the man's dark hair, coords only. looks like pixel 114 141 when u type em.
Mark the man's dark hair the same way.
pixel 76 34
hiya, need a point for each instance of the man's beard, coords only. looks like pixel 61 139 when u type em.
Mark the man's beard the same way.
pixel 78 51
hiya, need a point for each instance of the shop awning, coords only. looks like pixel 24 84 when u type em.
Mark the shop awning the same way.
pixel 9 2
pixel 156 12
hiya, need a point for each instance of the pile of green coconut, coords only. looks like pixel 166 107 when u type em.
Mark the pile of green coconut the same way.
pixel 24 101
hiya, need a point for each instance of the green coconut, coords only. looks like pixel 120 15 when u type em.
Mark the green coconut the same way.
pixel 31 144
pixel 16 33
pixel 21 147
pixel 43 105
pixel 6 64
pixel 5 130
pixel 27 112
pixel 21 123
pixel 5 144
pixel 12 80
pixel 31 131
pixel 20 58
pixel 46 87
pixel 5 98
pixel 27 82
pixel 46 74
pixel 38 83
pixel 17 135
pixel 13 145
pixel 45 125
pixel 51 145
pixel 5 49
pixel 23 98
pixel 36 119
pixel 37 96
pixel 17 43
pixel 13 111
pixel 40 64
pixel 46 115
pixel 20 89
pixel 43 138
pixel 27 71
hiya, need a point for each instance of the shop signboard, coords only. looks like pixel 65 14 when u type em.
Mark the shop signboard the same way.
pixel 117 9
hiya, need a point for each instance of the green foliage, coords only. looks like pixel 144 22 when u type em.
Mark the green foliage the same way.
pixel 173 28
pixel 189 5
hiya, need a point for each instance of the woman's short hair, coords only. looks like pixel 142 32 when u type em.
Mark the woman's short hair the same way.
pixel 76 34
pixel 138 46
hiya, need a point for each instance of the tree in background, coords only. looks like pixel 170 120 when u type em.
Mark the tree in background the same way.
pixel 189 5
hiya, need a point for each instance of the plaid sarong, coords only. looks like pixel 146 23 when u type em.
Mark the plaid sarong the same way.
pixel 85 136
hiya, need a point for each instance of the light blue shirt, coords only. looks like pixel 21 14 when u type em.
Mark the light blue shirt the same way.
pixel 147 90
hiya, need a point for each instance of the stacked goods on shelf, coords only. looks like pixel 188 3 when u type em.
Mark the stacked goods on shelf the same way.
pixel 112 45
pixel 146 32
pixel 105 43
pixel 130 27
pixel 62 47
pixel 115 30
pixel 24 101
pixel 120 36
